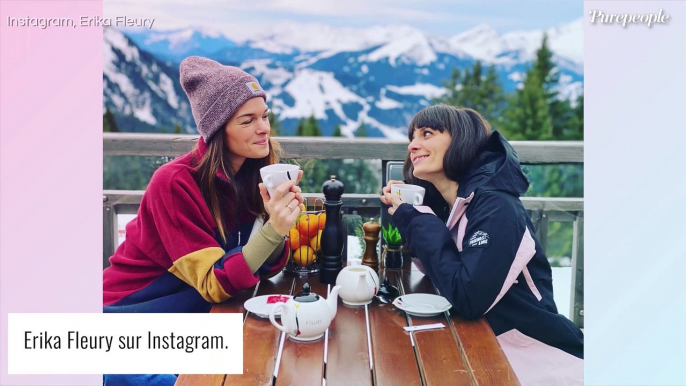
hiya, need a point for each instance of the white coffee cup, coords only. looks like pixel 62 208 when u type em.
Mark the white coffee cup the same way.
pixel 276 174
pixel 410 194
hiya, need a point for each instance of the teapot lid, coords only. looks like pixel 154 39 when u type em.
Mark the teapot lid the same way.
pixel 305 296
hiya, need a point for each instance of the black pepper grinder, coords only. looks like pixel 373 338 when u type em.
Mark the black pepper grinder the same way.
pixel 331 261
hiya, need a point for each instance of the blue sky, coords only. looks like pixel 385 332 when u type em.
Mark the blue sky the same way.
pixel 436 17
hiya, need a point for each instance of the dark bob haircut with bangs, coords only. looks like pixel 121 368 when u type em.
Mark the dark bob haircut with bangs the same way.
pixel 469 132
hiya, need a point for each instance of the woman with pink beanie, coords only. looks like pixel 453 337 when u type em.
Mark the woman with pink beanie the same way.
pixel 206 227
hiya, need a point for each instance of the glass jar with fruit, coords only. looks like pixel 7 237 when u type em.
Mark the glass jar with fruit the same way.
pixel 305 238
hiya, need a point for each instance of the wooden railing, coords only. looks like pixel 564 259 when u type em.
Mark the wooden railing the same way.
pixel 542 210
pixel 529 152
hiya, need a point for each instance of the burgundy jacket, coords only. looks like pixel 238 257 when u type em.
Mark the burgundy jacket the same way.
pixel 173 259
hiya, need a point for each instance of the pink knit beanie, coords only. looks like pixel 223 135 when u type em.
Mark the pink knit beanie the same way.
pixel 215 91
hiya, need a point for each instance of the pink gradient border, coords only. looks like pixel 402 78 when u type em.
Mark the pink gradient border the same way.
pixel 50 169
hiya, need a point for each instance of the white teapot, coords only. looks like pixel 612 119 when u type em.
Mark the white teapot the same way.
pixel 358 283
pixel 306 316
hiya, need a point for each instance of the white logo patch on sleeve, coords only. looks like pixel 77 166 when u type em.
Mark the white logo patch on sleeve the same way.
pixel 479 239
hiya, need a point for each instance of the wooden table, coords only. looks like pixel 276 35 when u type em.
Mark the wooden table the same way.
pixel 464 353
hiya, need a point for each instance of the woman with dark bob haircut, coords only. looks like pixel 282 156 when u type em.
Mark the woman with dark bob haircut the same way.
pixel 476 242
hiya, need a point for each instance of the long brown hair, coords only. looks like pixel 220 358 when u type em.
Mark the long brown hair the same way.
pixel 242 182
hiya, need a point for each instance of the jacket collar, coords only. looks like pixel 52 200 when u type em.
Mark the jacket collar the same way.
pixel 459 208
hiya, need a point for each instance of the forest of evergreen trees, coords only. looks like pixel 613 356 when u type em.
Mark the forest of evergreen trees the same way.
pixel 533 112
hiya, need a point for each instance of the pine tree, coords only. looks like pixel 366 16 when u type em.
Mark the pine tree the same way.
pixel 109 124
pixel 474 89
pixel 528 116
pixel 575 127
pixel 308 127
pixel 492 98
pixel 275 123
pixel 561 112
pixel 361 131
pixel 337 131
pixel 545 68
pixel 452 85
pixel 313 127
pixel 177 129
pixel 300 128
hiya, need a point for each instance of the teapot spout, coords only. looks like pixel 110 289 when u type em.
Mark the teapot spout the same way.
pixel 332 300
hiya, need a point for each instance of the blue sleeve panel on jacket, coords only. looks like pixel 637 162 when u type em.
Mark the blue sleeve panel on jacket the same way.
pixel 472 279
pixel 139 380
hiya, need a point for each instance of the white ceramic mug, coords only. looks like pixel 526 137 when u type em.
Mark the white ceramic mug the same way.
pixel 276 174
pixel 410 194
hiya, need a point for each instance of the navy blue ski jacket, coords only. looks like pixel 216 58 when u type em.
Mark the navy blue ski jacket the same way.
pixel 486 260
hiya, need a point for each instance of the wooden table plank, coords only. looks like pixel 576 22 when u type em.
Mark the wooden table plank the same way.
pixel 440 363
pixel 484 357
pixel 348 352
pixel 261 339
pixel 302 362
pixel 466 353
pixel 233 304
pixel 394 358
pixel 199 379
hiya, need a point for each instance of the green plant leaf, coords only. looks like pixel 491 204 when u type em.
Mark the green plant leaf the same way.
pixel 392 236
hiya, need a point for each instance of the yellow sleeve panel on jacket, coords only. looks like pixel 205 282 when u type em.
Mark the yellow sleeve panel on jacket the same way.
pixel 197 270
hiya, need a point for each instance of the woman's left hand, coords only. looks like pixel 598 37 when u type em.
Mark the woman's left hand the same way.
pixel 296 189
pixel 393 200
pixel 283 207
pixel 300 177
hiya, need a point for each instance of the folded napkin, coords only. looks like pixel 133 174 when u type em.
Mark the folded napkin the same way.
pixel 425 327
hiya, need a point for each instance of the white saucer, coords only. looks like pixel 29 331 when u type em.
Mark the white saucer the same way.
pixel 422 304
pixel 259 306
pixel 305 339
pixel 357 303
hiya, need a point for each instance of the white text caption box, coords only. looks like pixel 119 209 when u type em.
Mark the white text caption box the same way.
pixel 137 343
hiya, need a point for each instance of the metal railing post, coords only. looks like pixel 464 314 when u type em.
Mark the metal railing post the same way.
pixel 577 291
pixel 109 232
pixel 540 220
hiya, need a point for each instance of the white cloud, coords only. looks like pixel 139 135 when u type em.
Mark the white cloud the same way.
pixel 240 19
pixel 403 10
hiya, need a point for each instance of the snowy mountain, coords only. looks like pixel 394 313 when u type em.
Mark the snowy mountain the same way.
pixel 484 43
pixel 144 94
pixel 343 76
pixel 481 42
pixel 174 45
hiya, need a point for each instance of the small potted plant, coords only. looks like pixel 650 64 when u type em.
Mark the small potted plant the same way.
pixel 392 256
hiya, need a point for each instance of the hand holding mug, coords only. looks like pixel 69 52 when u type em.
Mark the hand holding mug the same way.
pixel 403 193
pixel 276 174
pixel 283 206
pixel 392 200
pixel 411 194
pixel 387 189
